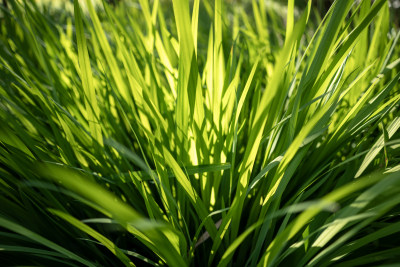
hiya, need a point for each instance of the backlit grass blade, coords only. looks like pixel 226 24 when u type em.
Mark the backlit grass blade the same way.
pixel 86 76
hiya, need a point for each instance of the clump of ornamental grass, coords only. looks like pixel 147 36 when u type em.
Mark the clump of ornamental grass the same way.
pixel 199 133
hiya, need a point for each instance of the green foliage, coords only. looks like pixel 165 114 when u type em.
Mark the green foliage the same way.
pixel 199 133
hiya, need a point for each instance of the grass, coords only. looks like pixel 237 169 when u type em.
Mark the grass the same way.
pixel 199 133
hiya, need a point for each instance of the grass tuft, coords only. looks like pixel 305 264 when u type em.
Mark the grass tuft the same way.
pixel 197 133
